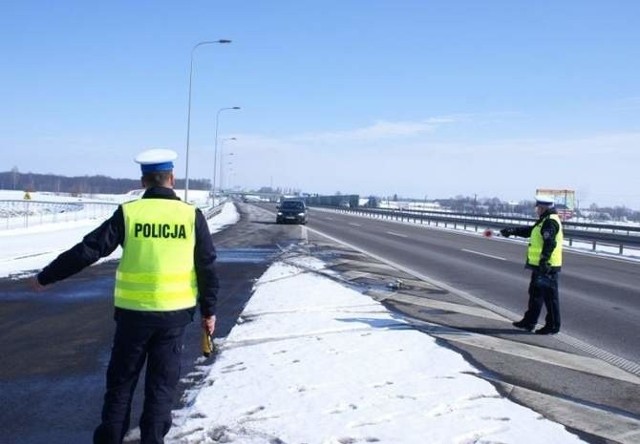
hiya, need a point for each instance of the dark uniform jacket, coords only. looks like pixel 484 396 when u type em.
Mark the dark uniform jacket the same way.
pixel 548 230
pixel 102 241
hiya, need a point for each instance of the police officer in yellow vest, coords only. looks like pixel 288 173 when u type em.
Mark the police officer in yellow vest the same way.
pixel 167 268
pixel 544 258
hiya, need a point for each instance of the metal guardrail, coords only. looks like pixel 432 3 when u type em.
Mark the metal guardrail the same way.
pixel 213 211
pixel 26 213
pixel 618 236
pixel 519 220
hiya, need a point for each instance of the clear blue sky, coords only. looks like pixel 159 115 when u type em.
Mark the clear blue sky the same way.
pixel 416 98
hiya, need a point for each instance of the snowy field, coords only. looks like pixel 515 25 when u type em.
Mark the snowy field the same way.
pixel 24 249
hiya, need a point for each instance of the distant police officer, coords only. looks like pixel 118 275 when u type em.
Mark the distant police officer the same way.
pixel 544 258
pixel 167 266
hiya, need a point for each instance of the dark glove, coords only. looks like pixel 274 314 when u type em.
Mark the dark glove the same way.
pixel 545 281
pixel 506 232
pixel 544 267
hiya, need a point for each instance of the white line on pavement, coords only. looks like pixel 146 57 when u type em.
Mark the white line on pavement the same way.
pixel 484 254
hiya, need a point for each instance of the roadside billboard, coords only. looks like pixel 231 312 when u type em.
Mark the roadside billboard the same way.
pixel 565 201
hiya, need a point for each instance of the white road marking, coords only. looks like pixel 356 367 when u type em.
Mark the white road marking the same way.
pixel 355 224
pixel 397 234
pixel 484 254
pixel 584 364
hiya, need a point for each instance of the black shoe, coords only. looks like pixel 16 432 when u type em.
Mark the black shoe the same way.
pixel 524 325
pixel 546 330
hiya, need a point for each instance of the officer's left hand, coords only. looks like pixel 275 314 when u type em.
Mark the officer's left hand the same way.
pixel 209 324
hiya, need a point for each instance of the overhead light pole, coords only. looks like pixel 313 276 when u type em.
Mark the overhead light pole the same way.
pixel 215 151
pixel 196 46
pixel 230 173
pixel 222 160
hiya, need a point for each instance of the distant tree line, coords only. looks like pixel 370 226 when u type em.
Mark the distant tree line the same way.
pixel 80 185
pixel 496 206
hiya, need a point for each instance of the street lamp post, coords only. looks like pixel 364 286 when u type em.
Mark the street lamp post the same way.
pixel 196 46
pixel 230 173
pixel 222 160
pixel 215 151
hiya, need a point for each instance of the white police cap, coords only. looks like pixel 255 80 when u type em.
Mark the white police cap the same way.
pixel 156 160
pixel 544 200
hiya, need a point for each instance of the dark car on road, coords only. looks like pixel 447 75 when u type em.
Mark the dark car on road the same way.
pixel 290 210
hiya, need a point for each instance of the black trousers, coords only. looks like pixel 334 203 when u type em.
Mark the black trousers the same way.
pixel 161 348
pixel 546 293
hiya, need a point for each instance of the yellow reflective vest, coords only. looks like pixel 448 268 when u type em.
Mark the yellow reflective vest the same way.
pixel 157 272
pixel 536 242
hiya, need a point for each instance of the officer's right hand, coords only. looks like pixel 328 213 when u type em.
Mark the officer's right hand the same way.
pixel 209 324
pixel 506 232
